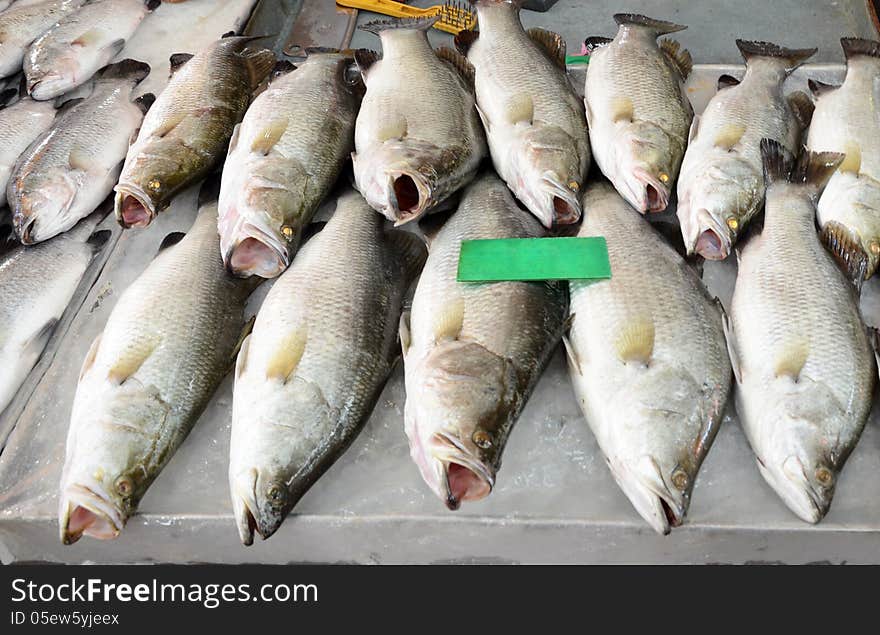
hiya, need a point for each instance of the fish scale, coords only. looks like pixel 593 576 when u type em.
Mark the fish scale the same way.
pixel 20 124
pixel 22 24
pixel 167 344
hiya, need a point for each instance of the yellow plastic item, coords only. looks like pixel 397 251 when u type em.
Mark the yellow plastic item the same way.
pixel 454 16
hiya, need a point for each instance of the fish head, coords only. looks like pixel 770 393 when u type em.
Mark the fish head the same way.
pixel 43 211
pixel 547 175
pixel 404 179
pixel 457 417
pixel 59 75
pixel 261 218
pixel 715 208
pixel 646 166
pixel 110 459
pixel 657 443
pixel 278 429
pixel 801 451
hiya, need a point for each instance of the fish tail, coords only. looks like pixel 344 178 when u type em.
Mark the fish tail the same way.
pixel 855 46
pixel 660 27
pixel 811 169
pixel 792 58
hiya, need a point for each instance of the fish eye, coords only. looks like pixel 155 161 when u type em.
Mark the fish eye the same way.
pixel 274 493
pixel 482 439
pixel 824 476
pixel 680 479
pixel 124 486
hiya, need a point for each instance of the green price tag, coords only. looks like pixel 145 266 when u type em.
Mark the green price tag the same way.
pixel 533 259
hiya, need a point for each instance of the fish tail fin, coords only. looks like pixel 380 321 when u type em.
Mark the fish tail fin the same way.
pixel 659 27
pixel 791 58
pixel 130 69
pixel 376 27
pixel 811 169
pixel 856 46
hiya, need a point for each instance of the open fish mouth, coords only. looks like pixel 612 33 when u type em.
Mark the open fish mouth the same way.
pixel 84 512
pixel 134 208
pixel 564 206
pixel 648 193
pixel 461 475
pixel 653 499
pixel 248 518
pixel 712 241
pixel 256 253
pixel 409 196
pixel 794 488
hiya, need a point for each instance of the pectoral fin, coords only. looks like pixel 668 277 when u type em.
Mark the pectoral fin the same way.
pixel 791 358
pixel 268 136
pixel 288 355
pixel 449 321
pixel 635 341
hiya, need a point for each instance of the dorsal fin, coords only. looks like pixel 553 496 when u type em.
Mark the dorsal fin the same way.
pixel 177 60
pixel 464 39
pixel 727 81
pixel 595 42
pixel 820 88
pixel 365 58
pixel 281 68
pixel 679 57
pixel 145 102
pixel 552 43
pixel 170 240
pixel 459 62
pixel 391 24
pixel 802 107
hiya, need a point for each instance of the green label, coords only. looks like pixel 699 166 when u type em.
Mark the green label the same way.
pixel 533 259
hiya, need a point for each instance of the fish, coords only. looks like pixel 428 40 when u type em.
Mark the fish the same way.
pixel 647 359
pixel 418 138
pixel 721 185
pixel 846 120
pixel 284 158
pixel 168 343
pixel 637 111
pixel 23 23
pixel 36 285
pixel 187 131
pixel 323 346
pixel 70 169
pixel 474 352
pixel 800 351
pixel 20 125
pixel 81 44
pixel 534 120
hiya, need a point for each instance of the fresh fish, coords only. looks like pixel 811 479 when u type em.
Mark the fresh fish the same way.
pixel 721 186
pixel 648 361
pixel 847 119
pixel 25 22
pixel 71 168
pixel 20 124
pixel 285 156
pixel 473 352
pixel 168 343
pixel 323 345
pixel 637 110
pixel 80 44
pixel 533 118
pixel 801 354
pixel 418 138
pixel 36 285
pixel 186 133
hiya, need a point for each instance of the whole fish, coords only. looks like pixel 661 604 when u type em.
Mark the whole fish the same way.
pixel 36 285
pixel 800 351
pixel 637 110
pixel 80 44
pixel 721 186
pixel 648 361
pixel 70 169
pixel 186 133
pixel 308 376
pixel 168 343
pixel 285 156
pixel 418 138
pixel 533 118
pixel 23 23
pixel 474 352
pixel 20 124
pixel 847 119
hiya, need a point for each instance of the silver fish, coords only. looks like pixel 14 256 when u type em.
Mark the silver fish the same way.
pixel 474 352
pixel 721 186
pixel 847 120
pixel 534 120
pixel 20 125
pixel 648 361
pixel 800 351
pixel 418 138
pixel 23 23
pixel 36 285
pixel 284 157
pixel 637 110
pixel 80 44
pixel 168 343
pixel 71 168
pixel 308 376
